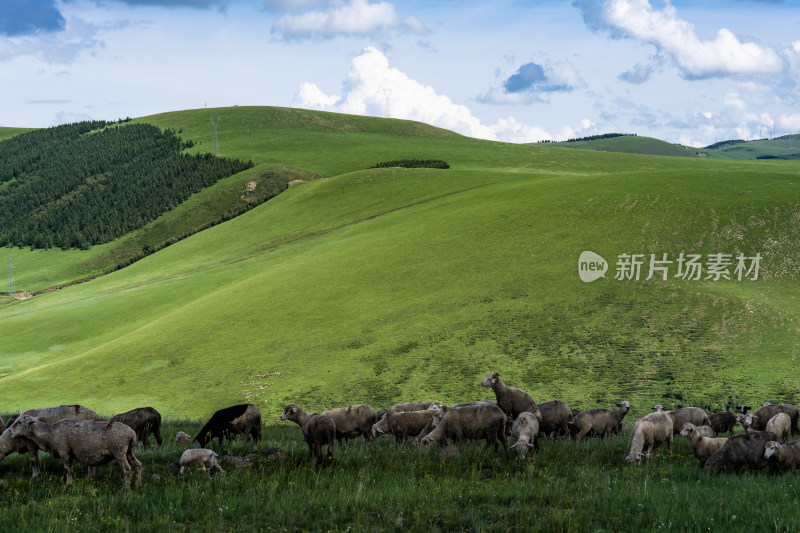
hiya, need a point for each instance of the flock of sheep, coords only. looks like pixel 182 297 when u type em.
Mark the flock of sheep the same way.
pixel 75 433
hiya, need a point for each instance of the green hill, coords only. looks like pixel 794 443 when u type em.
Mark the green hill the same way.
pixel 382 285
pixel 785 147
pixel 629 144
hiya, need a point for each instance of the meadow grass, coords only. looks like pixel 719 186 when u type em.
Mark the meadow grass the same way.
pixel 569 486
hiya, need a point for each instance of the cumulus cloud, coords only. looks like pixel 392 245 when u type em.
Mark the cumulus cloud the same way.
pixel 638 74
pixel 723 55
pixel 531 82
pixel 198 4
pixel 356 17
pixel 371 80
pixel 24 17
pixel 62 47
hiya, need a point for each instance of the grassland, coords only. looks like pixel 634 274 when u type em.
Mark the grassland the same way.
pixel 787 145
pixel 381 285
pixel 569 486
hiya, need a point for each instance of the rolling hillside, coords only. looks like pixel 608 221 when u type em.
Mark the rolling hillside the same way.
pixel 630 144
pixel 380 285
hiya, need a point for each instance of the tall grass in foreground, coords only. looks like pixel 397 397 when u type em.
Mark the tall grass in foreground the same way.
pixel 569 486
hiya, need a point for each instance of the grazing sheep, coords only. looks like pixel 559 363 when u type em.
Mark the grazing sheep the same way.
pixel 782 456
pixel 21 445
pixel 202 458
pixel 742 452
pixel 317 429
pixel 722 422
pixel 45 414
pixel 511 400
pixel 649 433
pixel 381 427
pixel 703 446
pixel 602 422
pixel 144 421
pixel 243 419
pixel 407 424
pixel 353 421
pixel 692 415
pixel 525 430
pixel 183 438
pixel 781 425
pixel 471 422
pixel 555 418
pixel 415 406
pixel 91 442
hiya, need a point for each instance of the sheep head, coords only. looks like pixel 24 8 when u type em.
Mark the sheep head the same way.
pixel 490 380
pixel 771 449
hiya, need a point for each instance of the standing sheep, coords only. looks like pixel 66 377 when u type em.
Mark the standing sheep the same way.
pixel 693 415
pixel 203 458
pixel 762 415
pixel 603 422
pixel 317 430
pixel 353 421
pixel 781 425
pixel 782 456
pixel 722 422
pixel 742 452
pixel 243 419
pixel 407 424
pixel 91 442
pixel 144 421
pixel 511 400
pixel 556 416
pixel 703 446
pixel 648 434
pixel 525 430
pixel 46 414
pixel 471 422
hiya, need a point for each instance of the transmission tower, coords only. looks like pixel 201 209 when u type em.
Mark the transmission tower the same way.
pixel 214 137
pixel 11 267
pixel 387 93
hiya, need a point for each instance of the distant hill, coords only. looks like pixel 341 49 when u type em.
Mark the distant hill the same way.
pixel 629 144
pixel 785 147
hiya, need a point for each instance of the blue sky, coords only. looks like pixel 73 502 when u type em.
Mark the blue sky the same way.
pixel 684 71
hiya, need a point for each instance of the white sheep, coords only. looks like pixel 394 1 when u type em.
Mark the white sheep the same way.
pixel 703 446
pixel 203 458
pixel 525 429
pixel 781 425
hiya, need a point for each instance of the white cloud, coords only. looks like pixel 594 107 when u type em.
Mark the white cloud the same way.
pixel 697 58
pixel 358 17
pixel 61 47
pixel 371 78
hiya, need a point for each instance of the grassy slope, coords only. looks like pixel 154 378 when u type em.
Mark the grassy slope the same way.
pixel 781 146
pixel 630 145
pixel 6 133
pixel 382 285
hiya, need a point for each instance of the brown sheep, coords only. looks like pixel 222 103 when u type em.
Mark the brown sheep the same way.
pixel 353 421
pixel 471 422
pixel 555 418
pixel 602 422
pixel 703 431
pixel 648 434
pixel 704 447
pixel 782 456
pixel 183 438
pixel 742 452
pixel 525 430
pixel 408 424
pixel 781 425
pixel 722 422
pixel 91 442
pixel 693 415
pixel 511 400
pixel 317 430
pixel 243 419
pixel 144 421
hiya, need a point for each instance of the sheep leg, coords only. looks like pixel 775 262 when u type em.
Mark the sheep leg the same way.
pixel 34 463
pixel 68 467
pixel 126 470
pixel 137 466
